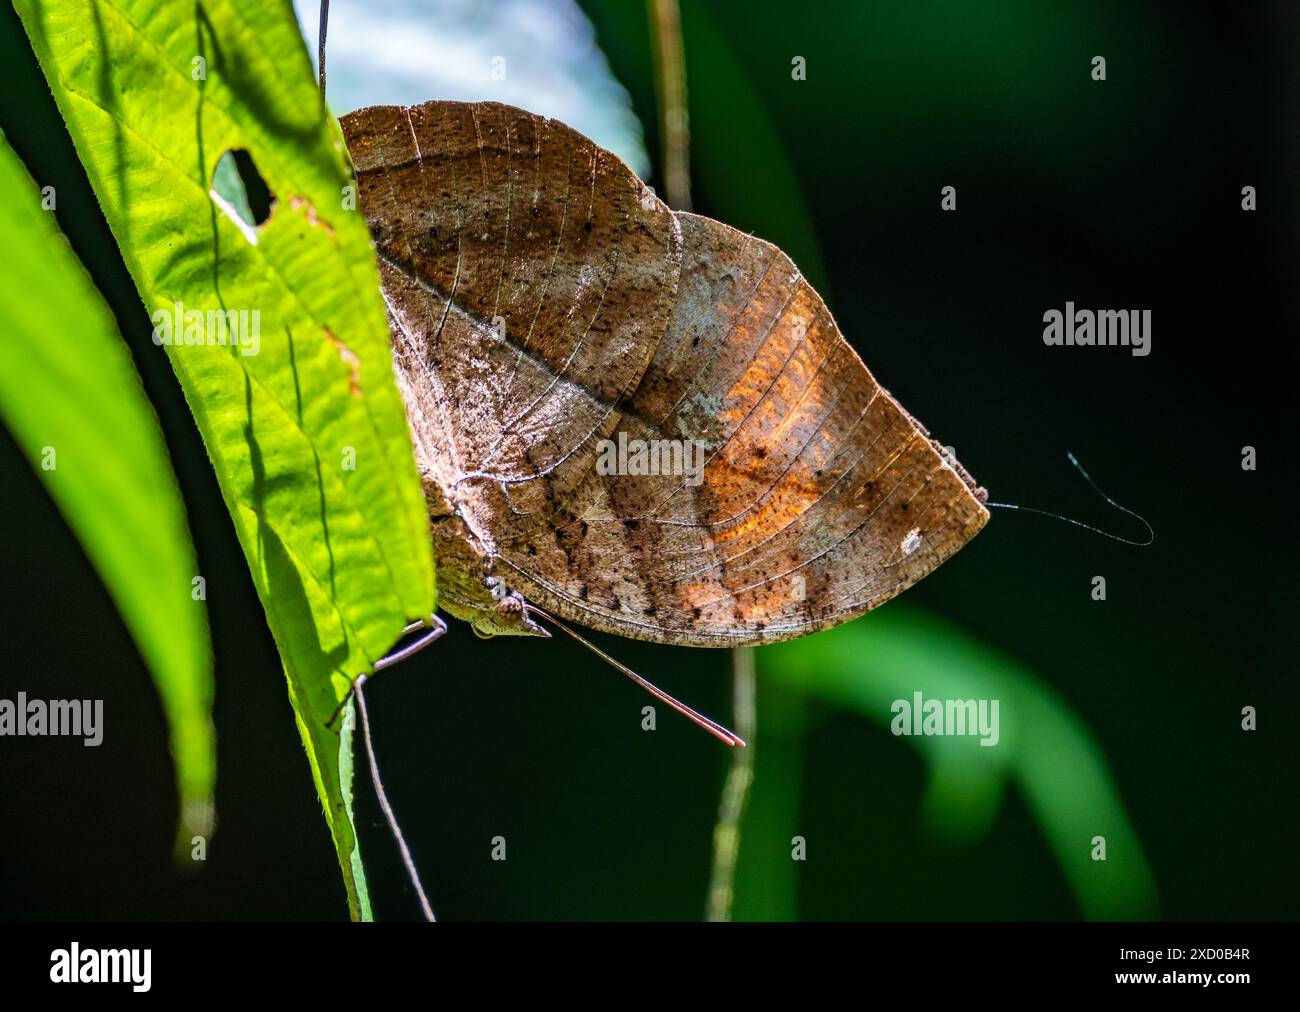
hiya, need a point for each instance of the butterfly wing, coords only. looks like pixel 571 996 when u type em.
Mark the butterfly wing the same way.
pixel 819 498
pixel 526 282
pixel 802 494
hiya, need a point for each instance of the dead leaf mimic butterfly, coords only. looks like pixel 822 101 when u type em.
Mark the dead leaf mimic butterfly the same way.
pixel 641 421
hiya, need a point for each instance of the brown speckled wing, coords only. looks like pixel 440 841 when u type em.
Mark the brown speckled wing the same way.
pixel 543 301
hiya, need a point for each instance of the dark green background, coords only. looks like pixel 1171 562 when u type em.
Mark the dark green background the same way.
pixel 1117 194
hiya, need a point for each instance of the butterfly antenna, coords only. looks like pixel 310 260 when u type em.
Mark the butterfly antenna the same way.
pixel 713 727
pixel 1151 534
pixel 411 872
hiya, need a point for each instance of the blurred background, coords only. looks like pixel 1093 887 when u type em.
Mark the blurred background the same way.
pixel 1121 717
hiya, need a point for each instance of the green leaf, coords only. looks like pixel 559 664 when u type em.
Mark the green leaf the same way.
pixel 349 718
pixel 70 395
pixel 1044 749
pixel 301 418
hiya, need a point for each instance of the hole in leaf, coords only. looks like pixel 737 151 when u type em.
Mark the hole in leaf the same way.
pixel 241 193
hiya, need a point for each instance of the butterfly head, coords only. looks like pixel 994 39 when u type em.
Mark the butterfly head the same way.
pixel 509 614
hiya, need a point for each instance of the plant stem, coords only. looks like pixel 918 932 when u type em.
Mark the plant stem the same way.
pixel 735 793
pixel 675 142
pixel 674 124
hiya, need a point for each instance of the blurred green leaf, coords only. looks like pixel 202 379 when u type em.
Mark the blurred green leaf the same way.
pixel 71 396
pixel 1043 749
pixel 229 186
pixel 304 425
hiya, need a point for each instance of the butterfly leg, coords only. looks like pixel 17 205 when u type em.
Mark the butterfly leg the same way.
pixel 436 627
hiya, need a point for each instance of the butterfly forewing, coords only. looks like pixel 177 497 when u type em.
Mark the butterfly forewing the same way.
pixel 525 278
pixel 546 309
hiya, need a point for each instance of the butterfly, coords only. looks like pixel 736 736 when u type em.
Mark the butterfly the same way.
pixel 639 420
